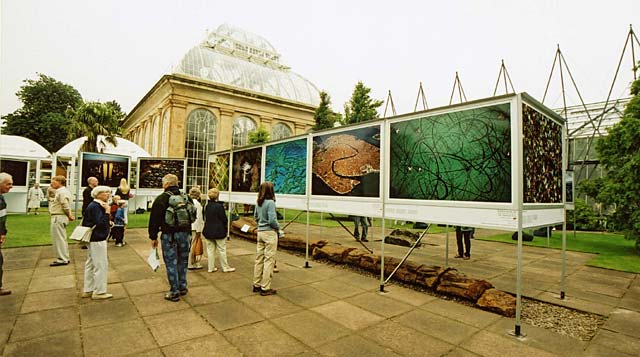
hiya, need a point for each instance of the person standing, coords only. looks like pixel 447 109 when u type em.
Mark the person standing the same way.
pixel 196 229
pixel 360 221
pixel 463 232
pixel 60 217
pixel 118 223
pixel 6 183
pixel 34 197
pixel 92 182
pixel 124 191
pixel 267 242
pixel 215 232
pixel 96 266
pixel 175 240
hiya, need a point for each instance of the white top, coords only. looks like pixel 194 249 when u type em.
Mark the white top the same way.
pixel 198 225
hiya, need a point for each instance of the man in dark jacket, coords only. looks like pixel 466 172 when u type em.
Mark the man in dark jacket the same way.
pixel 6 183
pixel 92 182
pixel 175 242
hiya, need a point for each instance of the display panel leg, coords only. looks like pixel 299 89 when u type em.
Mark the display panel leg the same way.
pixel 306 253
pixel 563 286
pixel 446 249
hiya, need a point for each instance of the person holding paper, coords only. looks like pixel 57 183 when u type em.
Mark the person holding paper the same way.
pixel 267 242
pixel 97 265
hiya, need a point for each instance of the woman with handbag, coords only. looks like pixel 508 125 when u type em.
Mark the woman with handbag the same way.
pixel 215 232
pixel 97 265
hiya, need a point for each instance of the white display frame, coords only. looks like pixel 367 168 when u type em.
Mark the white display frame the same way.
pixel 362 206
pixel 158 191
pixel 499 215
pixel 81 155
pixel 292 201
pixel 224 194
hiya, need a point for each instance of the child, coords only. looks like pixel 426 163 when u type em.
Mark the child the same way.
pixel 118 223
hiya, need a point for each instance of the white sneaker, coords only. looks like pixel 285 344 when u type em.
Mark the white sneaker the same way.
pixel 213 271
pixel 101 296
pixel 86 294
pixel 230 270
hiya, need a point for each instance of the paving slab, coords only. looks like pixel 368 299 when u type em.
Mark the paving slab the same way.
pixel 305 296
pixel 624 321
pixel 49 300
pixel 617 341
pixel 163 326
pixel 336 288
pixel 348 315
pixel 210 345
pixel 355 346
pixel 102 312
pixel 264 339
pixel 154 304
pixel 117 339
pixel 52 283
pixel 436 326
pixel 229 314
pixel 62 344
pixel 458 312
pixel 379 304
pixel 272 307
pixel 490 344
pixel 311 328
pixel 406 341
pixel 47 322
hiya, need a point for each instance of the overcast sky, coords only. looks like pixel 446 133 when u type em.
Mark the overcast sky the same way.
pixel 118 49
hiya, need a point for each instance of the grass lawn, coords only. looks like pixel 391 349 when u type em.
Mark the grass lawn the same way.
pixel 614 252
pixel 26 231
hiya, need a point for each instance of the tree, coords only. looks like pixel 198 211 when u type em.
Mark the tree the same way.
pixel 361 107
pixel 325 117
pixel 42 115
pixel 619 153
pixel 92 119
pixel 117 109
pixel 259 136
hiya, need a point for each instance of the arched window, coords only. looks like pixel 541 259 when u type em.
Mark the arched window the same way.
pixel 164 150
pixel 147 137
pixel 201 141
pixel 280 131
pixel 242 126
pixel 155 139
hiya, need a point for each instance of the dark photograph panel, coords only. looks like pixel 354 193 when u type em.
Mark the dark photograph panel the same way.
pixel 347 163
pixel 219 172
pixel 458 156
pixel 108 169
pixel 286 166
pixel 17 169
pixel 542 151
pixel 153 170
pixel 246 170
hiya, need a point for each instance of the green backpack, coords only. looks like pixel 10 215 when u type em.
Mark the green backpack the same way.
pixel 181 212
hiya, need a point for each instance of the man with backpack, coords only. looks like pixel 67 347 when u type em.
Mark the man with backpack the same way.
pixel 172 214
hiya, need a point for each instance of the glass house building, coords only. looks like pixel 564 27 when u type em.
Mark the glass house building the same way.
pixel 221 90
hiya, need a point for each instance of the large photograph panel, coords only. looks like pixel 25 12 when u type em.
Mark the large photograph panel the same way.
pixel 542 150
pixel 347 163
pixel 219 172
pixel 108 169
pixel 286 166
pixel 17 169
pixel 459 156
pixel 246 170
pixel 152 171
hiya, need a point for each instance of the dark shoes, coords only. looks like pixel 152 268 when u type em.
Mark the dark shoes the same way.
pixel 267 292
pixel 467 257
pixel 4 292
pixel 256 289
pixel 58 263
pixel 184 292
pixel 173 298
pixel 458 256
pixel 364 240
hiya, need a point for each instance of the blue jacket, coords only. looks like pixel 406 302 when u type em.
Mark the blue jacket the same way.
pixel 266 217
pixel 96 216
pixel 119 218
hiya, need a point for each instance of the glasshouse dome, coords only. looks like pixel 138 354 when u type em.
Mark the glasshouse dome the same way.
pixel 124 147
pixel 245 60
pixel 12 145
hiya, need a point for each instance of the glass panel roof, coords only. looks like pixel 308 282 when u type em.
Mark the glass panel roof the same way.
pixel 241 59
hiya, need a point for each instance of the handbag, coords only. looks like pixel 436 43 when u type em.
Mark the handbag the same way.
pixel 82 234
pixel 198 248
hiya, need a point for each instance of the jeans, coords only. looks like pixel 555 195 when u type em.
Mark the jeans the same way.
pixel 359 220
pixel 175 252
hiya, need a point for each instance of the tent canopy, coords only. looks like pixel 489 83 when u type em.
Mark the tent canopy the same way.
pixel 124 147
pixel 12 145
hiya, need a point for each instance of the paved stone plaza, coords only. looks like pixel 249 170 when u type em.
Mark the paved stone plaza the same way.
pixel 324 310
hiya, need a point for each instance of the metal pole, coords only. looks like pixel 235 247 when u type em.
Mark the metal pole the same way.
pixel 519 279
pixel 382 257
pixel 446 249
pixel 306 253
pixel 563 286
